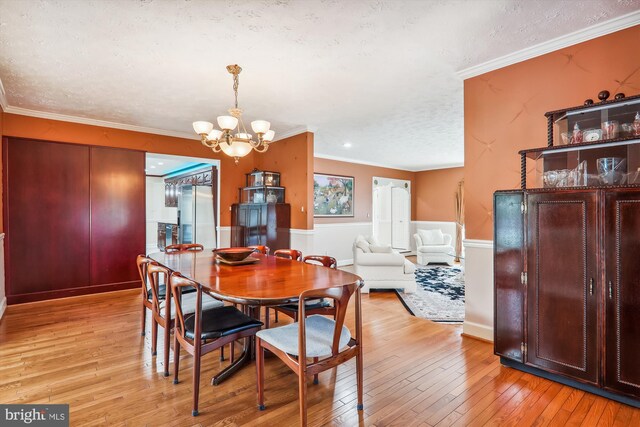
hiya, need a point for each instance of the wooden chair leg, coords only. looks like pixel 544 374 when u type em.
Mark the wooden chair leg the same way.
pixel 144 319
pixel 167 338
pixel 359 365
pixel 233 351
pixel 176 358
pixel 276 315
pixel 315 377
pixel 302 395
pixel 222 354
pixel 154 336
pixel 196 381
pixel 267 317
pixel 260 373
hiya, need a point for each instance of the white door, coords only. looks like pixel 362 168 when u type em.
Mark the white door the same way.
pixel 400 217
pixel 205 225
pixel 382 214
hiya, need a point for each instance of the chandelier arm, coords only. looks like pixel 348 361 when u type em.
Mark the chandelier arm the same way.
pixel 216 149
pixel 262 149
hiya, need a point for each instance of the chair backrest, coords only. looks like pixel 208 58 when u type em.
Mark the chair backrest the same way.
pixel 154 271
pixel 177 282
pixel 325 261
pixel 260 248
pixel 184 247
pixel 142 262
pixel 293 254
pixel 340 296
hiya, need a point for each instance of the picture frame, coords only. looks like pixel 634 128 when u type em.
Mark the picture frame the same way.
pixel 333 195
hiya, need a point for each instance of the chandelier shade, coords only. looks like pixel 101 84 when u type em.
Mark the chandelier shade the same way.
pixel 232 138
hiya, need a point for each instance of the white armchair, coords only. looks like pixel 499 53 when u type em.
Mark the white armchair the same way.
pixel 381 267
pixel 433 246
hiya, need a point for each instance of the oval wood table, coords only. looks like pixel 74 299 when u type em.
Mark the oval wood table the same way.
pixel 269 281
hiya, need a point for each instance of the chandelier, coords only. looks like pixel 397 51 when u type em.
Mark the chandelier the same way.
pixel 234 140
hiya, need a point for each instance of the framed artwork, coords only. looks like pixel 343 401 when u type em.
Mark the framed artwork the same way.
pixel 332 195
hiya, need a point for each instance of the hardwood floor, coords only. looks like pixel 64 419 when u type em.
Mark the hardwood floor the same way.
pixel 87 351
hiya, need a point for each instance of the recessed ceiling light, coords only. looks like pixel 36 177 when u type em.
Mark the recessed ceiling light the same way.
pixel 152 167
pixel 160 163
pixel 347 145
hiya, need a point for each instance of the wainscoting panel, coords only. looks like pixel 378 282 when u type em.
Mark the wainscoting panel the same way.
pixel 478 277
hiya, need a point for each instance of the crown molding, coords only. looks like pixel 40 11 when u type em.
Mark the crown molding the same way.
pixel 589 33
pixel 96 122
pixel 3 98
pixel 386 166
pixel 293 132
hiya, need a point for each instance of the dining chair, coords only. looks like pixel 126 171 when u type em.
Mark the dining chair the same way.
pixel 205 330
pixel 325 340
pixel 147 300
pixel 164 312
pixel 292 254
pixel 196 247
pixel 260 248
pixel 317 306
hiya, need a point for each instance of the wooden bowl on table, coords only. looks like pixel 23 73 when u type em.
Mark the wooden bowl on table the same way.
pixel 233 254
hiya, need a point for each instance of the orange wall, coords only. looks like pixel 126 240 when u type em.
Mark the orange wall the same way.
pixel 504 111
pixel 363 175
pixel 293 158
pixel 435 194
pixel 231 176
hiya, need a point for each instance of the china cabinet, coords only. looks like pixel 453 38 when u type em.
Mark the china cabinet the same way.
pixel 261 217
pixel 567 295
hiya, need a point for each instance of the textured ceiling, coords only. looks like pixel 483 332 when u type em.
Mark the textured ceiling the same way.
pixel 378 74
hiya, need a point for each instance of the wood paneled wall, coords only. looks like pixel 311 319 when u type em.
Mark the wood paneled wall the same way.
pixel 74 217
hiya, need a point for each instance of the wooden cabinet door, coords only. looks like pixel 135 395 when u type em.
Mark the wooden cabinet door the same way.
pixel 46 195
pixel 508 266
pixel 562 289
pixel 117 214
pixel 622 291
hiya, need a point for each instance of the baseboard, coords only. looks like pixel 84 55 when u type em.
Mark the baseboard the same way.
pixel 3 306
pixel 478 331
pixel 71 292
pixel 343 262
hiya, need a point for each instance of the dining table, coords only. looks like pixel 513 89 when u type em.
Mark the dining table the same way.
pixel 269 281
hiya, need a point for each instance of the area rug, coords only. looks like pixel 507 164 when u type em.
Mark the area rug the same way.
pixel 439 295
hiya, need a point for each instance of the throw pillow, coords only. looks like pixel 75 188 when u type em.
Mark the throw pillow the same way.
pixel 363 245
pixel 431 237
pixel 380 249
pixel 373 241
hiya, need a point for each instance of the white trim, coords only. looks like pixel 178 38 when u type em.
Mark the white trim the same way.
pixel 386 166
pixel 224 228
pixel 343 262
pixel 592 32
pixel 477 330
pixel 293 132
pixel 3 306
pixel 96 122
pixel 3 98
pixel 481 244
pixel 343 224
pixel 301 231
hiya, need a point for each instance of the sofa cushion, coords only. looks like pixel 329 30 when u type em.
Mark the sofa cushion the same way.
pixel 431 237
pixel 363 245
pixel 380 249
pixel 372 241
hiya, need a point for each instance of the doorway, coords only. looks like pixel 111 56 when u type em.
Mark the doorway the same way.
pixel 182 201
pixel 392 212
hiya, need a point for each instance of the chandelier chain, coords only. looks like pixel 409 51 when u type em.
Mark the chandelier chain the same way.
pixel 236 82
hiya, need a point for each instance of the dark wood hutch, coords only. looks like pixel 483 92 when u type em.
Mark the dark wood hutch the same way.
pixel 261 217
pixel 566 274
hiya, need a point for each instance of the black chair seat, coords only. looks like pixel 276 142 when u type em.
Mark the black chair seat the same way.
pixel 312 305
pixel 219 322
pixel 162 292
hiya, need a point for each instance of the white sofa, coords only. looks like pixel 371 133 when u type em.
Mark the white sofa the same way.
pixel 433 246
pixel 381 267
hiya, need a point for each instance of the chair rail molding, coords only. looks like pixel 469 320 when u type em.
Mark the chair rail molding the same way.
pixel 478 277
